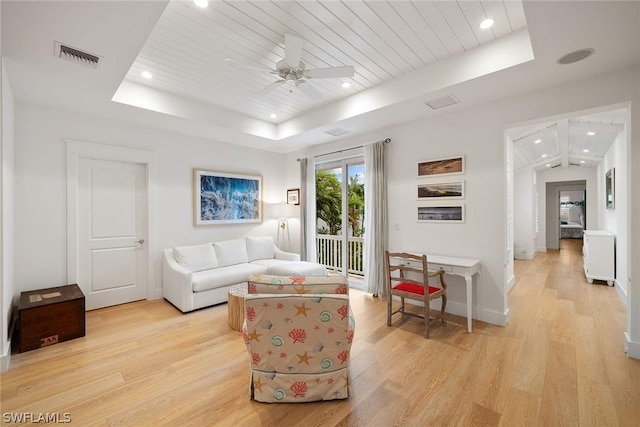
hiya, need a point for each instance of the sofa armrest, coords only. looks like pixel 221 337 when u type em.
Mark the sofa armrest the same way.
pixel 177 281
pixel 287 256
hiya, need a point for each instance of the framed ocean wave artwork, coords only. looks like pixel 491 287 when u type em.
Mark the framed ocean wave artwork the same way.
pixel 226 198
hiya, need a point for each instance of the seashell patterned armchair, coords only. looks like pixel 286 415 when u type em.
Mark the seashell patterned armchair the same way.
pixel 298 332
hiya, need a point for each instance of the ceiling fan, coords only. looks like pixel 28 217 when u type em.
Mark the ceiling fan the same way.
pixel 293 72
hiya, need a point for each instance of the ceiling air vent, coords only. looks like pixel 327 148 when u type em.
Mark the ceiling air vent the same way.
pixel 74 55
pixel 337 131
pixel 445 101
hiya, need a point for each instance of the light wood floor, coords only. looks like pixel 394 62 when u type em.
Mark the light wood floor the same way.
pixel 560 362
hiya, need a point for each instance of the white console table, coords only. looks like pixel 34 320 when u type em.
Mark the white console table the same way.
pixel 465 267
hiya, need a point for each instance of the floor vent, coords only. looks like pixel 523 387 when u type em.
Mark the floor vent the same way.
pixel 337 131
pixel 77 56
pixel 445 101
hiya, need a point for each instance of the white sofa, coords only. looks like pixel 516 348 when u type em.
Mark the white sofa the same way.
pixel 200 275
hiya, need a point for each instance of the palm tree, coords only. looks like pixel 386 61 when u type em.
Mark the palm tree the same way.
pixel 356 206
pixel 328 200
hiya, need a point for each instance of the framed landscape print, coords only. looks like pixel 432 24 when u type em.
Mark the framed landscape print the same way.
pixel 441 213
pixel 226 198
pixel 439 167
pixel 441 190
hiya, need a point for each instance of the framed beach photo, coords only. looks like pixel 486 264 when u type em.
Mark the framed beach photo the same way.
pixel 441 213
pixel 440 167
pixel 226 198
pixel 441 190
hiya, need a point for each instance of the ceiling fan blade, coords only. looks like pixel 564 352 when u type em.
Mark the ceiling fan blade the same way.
pixel 270 88
pixel 311 92
pixel 323 73
pixel 292 50
pixel 242 66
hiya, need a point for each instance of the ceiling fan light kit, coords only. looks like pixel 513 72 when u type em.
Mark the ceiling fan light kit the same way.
pixel 293 71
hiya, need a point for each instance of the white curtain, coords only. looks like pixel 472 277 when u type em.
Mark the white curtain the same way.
pixel 303 207
pixel 307 209
pixel 376 219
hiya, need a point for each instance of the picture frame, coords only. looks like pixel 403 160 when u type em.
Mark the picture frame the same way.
pixel 441 190
pixel 610 188
pixel 293 196
pixel 226 198
pixel 454 213
pixel 440 167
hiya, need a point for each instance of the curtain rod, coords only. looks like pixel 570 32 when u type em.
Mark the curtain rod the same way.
pixel 386 141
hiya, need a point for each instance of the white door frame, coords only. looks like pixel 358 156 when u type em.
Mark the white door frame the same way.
pixel 77 150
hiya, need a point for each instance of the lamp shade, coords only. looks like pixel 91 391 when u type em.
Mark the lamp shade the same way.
pixel 281 210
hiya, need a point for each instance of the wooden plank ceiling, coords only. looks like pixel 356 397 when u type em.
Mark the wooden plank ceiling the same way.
pixel 383 40
pixel 578 141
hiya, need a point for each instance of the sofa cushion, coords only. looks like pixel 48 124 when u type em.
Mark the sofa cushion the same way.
pixel 196 257
pixel 270 262
pixel 224 276
pixel 231 252
pixel 260 248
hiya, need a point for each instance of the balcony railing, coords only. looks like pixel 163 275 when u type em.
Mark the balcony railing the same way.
pixel 329 253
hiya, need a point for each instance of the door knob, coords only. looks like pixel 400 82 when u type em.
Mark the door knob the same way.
pixel 141 241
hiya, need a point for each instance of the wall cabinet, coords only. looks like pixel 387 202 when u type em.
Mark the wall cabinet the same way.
pixel 599 255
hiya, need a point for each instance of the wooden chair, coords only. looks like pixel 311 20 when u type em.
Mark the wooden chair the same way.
pixel 414 286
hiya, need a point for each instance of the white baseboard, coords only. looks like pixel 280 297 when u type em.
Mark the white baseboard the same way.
pixel 511 282
pixel 632 348
pixel 5 360
pixel 453 307
pixel 460 309
pixel 622 293
pixel 156 294
pixel 532 254
pixel 541 250
pixel 494 317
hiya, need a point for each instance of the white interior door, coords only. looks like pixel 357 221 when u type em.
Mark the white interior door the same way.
pixel 112 216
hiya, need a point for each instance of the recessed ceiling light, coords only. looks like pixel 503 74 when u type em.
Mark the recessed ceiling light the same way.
pixel 544 155
pixel 590 133
pixel 147 75
pixel 345 84
pixel 575 56
pixel 537 141
pixel 273 115
pixel 548 165
pixel 582 161
pixel 585 150
pixel 201 3
pixel 487 23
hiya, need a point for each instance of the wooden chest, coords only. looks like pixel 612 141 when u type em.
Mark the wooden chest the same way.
pixel 49 316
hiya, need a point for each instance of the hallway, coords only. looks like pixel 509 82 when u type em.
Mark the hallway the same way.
pixel 574 352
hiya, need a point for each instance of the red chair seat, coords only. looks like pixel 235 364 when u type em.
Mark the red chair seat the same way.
pixel 414 288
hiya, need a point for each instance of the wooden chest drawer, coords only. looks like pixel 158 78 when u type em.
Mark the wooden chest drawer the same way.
pixel 49 316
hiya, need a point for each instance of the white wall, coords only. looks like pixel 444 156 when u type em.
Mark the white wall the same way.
pixel 7 279
pixel 525 212
pixel 40 232
pixel 616 220
pixel 478 133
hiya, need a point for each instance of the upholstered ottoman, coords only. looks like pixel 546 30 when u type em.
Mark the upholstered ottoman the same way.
pixel 297 268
